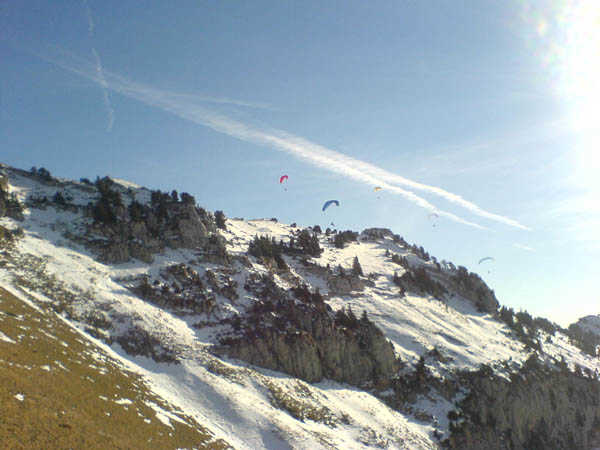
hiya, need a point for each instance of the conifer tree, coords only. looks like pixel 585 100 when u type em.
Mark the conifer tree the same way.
pixel 356 268
pixel 220 220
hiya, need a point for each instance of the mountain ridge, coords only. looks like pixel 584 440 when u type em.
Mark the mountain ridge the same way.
pixel 170 284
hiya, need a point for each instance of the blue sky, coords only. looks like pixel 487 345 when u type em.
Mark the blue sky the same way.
pixel 479 111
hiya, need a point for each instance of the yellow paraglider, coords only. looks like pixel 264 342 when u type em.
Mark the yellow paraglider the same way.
pixel 377 188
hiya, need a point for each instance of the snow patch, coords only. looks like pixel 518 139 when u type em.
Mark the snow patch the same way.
pixel 5 338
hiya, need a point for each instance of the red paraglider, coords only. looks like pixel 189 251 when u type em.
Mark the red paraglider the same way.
pixel 283 177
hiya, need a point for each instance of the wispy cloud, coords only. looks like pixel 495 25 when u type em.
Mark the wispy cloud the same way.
pixel 299 147
pixel 110 112
pixel 523 247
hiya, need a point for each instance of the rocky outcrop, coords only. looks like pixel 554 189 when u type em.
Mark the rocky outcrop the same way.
pixel 138 341
pixel 345 284
pixel 9 204
pixel 119 233
pixel 539 408
pixel 590 324
pixel 419 280
pixel 374 234
pixel 470 286
pixel 3 182
pixel 308 342
pixel 179 289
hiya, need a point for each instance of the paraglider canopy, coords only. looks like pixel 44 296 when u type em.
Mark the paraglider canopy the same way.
pixel 487 258
pixel 433 217
pixel 328 203
pixel 377 188
pixel 282 178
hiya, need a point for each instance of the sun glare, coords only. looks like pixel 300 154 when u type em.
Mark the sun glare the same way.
pixel 580 81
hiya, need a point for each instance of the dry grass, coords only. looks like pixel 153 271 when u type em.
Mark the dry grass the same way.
pixel 69 390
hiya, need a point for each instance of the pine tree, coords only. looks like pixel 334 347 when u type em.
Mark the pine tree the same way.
pixel 364 318
pixel 352 319
pixel 356 268
pixel 187 199
pixel 220 220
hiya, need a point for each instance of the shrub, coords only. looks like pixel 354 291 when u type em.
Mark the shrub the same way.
pixel 309 243
pixel 220 220
pixel 59 199
pixel 356 268
pixel 400 260
pixel 346 318
pixel 136 211
pixel 187 199
pixel 344 237
pixel 302 293
pixel 262 246
pixel 42 173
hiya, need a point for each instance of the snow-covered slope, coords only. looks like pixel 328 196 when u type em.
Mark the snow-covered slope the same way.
pixel 248 406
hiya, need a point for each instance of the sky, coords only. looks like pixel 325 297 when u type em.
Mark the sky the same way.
pixel 477 120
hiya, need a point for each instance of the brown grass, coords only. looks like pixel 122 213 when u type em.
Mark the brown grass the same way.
pixel 72 405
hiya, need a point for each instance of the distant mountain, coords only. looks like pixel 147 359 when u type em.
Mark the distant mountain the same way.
pixel 590 324
pixel 276 336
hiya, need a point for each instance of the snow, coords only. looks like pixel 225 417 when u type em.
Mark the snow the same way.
pixel 125 183
pixel 235 402
pixel 5 338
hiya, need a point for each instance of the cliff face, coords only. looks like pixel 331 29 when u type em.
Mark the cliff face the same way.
pixel 358 357
pixel 305 339
pixel 538 408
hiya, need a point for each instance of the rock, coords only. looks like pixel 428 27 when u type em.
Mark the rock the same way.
pixel 538 408
pixel 312 346
pixel 373 234
pixel 474 289
pixel 138 341
pixel 345 284
pixel 3 182
pixel 145 230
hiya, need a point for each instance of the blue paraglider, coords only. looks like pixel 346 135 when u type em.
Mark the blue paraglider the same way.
pixel 328 203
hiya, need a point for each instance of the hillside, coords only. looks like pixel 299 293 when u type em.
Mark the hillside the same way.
pixel 60 389
pixel 267 335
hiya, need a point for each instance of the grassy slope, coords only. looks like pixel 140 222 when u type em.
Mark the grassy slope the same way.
pixel 70 389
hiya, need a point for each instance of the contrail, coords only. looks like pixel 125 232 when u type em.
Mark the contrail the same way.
pixel 88 13
pixel 99 70
pixel 223 101
pixel 100 74
pixel 311 152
